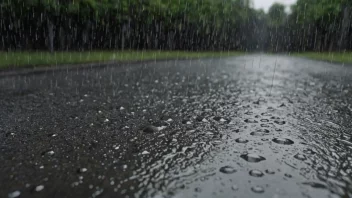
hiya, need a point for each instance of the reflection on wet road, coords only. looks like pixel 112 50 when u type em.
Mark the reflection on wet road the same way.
pixel 252 126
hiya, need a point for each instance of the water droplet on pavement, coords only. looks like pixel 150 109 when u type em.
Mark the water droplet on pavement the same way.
pixel 250 121
pixel 257 189
pixel 150 129
pixel 270 171
pixel 284 141
pixel 14 194
pixel 288 175
pixel 256 173
pixel 39 188
pixel 48 153
pixel 300 157
pixel 241 140
pixel 198 189
pixel 82 170
pixel 251 157
pixel 279 122
pixel 227 170
pixel 260 132
pixel 234 187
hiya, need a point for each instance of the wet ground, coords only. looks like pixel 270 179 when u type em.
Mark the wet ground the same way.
pixel 251 126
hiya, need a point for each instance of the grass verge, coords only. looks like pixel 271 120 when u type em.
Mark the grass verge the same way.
pixel 340 57
pixel 36 59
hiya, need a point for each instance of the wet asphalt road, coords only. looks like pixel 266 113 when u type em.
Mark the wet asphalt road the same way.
pixel 251 126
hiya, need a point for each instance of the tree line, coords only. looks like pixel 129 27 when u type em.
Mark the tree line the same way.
pixel 318 25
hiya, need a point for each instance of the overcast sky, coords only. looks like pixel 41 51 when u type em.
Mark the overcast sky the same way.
pixel 265 4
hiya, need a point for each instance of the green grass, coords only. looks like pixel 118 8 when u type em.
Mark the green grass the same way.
pixel 36 59
pixel 340 57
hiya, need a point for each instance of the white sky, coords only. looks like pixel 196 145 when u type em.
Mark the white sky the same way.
pixel 265 4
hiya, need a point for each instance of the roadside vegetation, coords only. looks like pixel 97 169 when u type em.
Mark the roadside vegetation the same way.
pixel 211 25
pixel 106 26
pixel 34 59
pixel 338 57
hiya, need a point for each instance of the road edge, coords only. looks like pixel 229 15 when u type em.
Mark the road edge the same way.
pixel 80 66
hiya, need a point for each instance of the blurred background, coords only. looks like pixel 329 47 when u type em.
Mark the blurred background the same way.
pixel 197 25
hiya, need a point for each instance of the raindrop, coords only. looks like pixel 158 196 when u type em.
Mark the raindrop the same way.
pixel 284 141
pixel 256 173
pixel 209 133
pixel 161 128
pixel 122 108
pixel 150 129
pixel 288 175
pixel 270 171
pixel 145 153
pixel 234 187
pixel 300 157
pixel 10 134
pixel 14 194
pixel 82 170
pixel 97 193
pixel 279 122
pixel 249 113
pixel 48 153
pixel 257 189
pixel 260 132
pixel 106 120
pixel 222 120
pixel 198 189
pixel 308 151
pixel 186 122
pixel 241 140
pixel 265 125
pixel 39 188
pixel 227 170
pixel 252 157
pixel 250 121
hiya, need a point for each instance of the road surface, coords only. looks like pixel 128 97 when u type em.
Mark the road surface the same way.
pixel 250 126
